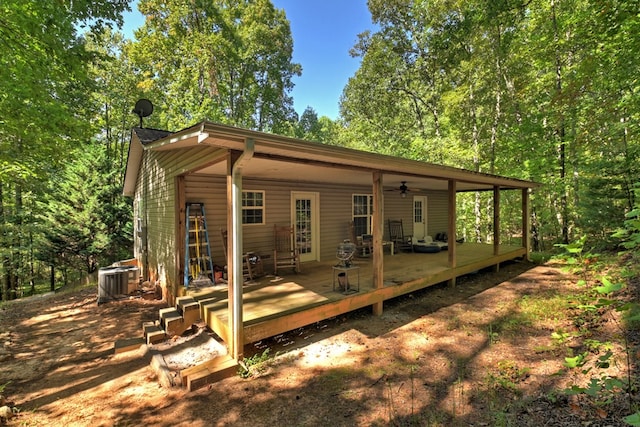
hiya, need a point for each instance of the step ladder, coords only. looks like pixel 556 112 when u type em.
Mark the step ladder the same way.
pixel 198 264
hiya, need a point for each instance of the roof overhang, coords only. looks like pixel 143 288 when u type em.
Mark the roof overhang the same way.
pixel 287 159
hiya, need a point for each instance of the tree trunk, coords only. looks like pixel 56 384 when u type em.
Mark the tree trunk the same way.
pixel 4 272
pixel 564 208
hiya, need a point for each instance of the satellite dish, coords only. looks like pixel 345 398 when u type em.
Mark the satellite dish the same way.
pixel 143 108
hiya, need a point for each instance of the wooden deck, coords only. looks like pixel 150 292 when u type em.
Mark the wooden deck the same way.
pixel 273 305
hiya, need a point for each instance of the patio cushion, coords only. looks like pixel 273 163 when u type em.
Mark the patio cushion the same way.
pixel 426 248
pixel 428 241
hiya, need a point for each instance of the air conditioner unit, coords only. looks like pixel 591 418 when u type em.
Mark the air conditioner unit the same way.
pixel 113 282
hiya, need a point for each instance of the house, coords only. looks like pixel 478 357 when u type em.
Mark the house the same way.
pixel 249 181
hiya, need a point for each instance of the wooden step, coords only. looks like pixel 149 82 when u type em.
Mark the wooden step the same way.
pixel 171 321
pixel 189 308
pixel 127 344
pixel 153 333
pixel 209 372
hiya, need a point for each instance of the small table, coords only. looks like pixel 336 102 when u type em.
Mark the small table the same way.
pixel 340 269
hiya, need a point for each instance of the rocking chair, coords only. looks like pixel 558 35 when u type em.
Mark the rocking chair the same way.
pixel 285 252
pixel 364 243
pixel 252 263
pixel 396 235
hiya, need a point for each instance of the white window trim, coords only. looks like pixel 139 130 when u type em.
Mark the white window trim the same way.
pixel 263 208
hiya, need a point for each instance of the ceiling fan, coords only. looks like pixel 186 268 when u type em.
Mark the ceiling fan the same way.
pixel 403 189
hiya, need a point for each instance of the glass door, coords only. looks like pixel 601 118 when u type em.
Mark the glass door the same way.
pixel 306 219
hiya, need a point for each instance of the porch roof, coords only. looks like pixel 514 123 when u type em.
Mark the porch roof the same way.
pixel 282 158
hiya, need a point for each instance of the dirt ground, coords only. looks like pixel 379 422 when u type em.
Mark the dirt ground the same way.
pixel 443 356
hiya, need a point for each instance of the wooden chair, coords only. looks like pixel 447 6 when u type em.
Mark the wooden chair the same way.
pixel 364 243
pixel 396 235
pixel 252 265
pixel 285 252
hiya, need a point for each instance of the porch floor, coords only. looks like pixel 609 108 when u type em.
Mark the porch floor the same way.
pixel 275 304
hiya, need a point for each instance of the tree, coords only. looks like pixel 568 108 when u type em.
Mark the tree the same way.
pixel 224 61
pixel 543 90
pixel 43 88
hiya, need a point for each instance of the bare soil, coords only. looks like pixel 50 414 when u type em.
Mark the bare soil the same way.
pixel 443 356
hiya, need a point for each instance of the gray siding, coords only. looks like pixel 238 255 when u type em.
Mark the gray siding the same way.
pixel 156 192
pixel 335 211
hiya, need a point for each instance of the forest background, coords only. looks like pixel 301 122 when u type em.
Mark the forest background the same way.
pixel 543 90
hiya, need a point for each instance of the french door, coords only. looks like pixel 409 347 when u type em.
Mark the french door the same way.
pixel 305 216
pixel 419 216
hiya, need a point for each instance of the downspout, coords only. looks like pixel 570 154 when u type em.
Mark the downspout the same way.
pixel 237 326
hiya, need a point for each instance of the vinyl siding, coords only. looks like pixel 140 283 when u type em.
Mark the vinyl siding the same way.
pixel 156 191
pixel 335 211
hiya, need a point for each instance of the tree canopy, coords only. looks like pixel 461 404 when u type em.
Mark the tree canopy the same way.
pixel 546 90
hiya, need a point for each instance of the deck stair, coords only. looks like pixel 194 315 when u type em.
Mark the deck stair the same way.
pixel 172 320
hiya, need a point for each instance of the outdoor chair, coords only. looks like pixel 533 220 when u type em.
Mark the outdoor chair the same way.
pixel 396 235
pixel 364 243
pixel 252 263
pixel 285 252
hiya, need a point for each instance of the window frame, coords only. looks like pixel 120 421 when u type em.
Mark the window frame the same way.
pixel 245 208
pixel 369 210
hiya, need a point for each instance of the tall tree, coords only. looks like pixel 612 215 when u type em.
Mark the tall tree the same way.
pixel 543 90
pixel 43 87
pixel 224 61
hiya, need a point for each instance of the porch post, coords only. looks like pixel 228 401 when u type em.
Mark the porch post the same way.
pixel 234 261
pixel 451 232
pixel 378 232
pixel 234 345
pixel 526 225
pixel 180 230
pixel 496 224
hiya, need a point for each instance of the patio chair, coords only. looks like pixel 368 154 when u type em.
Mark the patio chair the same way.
pixel 364 243
pixel 396 235
pixel 252 263
pixel 285 252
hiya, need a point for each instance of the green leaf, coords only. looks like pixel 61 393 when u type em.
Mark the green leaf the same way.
pixel 633 419
pixel 574 362
pixel 608 287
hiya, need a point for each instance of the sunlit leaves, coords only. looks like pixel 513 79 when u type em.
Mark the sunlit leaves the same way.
pixel 221 61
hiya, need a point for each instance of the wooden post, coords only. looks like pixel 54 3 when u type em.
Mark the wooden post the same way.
pixel 378 232
pixel 180 230
pixel 235 347
pixel 496 224
pixel 526 228
pixel 451 233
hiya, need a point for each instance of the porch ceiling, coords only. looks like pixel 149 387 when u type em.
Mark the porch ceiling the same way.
pixel 280 170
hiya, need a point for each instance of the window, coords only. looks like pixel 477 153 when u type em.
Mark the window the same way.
pixel 253 207
pixel 362 213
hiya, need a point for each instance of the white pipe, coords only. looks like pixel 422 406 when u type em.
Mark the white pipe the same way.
pixel 236 246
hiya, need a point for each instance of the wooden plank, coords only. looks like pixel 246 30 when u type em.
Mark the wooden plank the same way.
pixel 213 365
pixel 127 344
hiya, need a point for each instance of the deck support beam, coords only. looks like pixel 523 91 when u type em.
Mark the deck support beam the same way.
pixel 378 232
pixel 451 232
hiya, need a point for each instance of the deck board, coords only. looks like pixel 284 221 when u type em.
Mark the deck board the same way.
pixel 293 299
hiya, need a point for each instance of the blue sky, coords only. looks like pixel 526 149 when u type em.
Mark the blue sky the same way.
pixel 323 32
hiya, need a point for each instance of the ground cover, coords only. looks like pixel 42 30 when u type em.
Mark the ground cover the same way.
pixel 491 351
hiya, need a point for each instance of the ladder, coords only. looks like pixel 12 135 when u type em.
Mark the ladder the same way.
pixel 198 264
